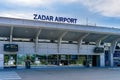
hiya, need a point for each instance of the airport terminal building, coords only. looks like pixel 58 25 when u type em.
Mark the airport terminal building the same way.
pixel 57 44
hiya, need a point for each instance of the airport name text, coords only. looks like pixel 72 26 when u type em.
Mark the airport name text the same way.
pixel 54 19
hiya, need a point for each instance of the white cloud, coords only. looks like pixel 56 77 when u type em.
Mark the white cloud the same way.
pixel 22 15
pixel 68 1
pixel 28 14
pixel 35 3
pixel 32 3
pixel 25 14
pixel 104 7
pixel 108 8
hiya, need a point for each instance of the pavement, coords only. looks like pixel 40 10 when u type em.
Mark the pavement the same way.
pixel 61 74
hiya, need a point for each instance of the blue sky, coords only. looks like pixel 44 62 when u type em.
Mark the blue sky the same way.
pixel 98 12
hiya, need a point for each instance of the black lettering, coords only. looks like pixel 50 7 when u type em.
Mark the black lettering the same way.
pixel 35 16
pixel 47 18
pixel 65 19
pixel 72 20
pixel 43 17
pixel 69 20
pixel 61 19
pixel 75 20
pixel 57 19
pixel 39 17
pixel 51 18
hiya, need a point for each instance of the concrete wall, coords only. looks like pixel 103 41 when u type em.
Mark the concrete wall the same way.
pixel 87 49
pixel 47 48
pixel 69 49
pixel 50 48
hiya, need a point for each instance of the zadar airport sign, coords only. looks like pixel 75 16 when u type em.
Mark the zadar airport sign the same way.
pixel 54 19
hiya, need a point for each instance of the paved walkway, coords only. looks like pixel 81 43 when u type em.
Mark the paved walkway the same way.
pixel 9 75
pixel 63 74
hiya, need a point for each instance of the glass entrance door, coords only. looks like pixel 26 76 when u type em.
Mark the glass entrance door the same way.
pixel 10 60
pixel 95 60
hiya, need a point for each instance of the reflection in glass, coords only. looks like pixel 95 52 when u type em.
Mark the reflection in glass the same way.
pixel 21 59
pixel 10 60
pixel 52 59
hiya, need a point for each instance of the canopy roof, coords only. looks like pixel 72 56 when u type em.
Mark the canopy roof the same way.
pixel 22 28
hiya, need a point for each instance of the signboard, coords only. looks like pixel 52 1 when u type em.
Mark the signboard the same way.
pixel 54 19
pixel 11 47
pixel 98 50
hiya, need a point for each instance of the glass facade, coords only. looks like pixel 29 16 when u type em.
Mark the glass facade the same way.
pixel 10 61
pixel 37 60
pixel 21 60
pixel 52 59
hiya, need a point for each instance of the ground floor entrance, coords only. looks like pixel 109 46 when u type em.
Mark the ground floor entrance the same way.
pixel 36 60
pixel 61 60
pixel 95 60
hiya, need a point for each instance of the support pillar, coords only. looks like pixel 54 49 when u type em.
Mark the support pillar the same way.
pixel 102 60
pixel 111 59
pixel 112 50
pixel 102 55
pixel 60 39
pixel 36 40
pixel 10 39
pixel 80 41
pixel 79 45
pixel 36 45
pixel 98 43
pixel 59 45
pixel 11 34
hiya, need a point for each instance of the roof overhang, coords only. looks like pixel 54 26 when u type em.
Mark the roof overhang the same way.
pixel 22 28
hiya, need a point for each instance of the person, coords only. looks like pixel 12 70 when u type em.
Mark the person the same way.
pixel 28 62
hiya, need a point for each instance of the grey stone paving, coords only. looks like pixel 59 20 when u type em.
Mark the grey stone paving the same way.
pixel 9 75
pixel 71 74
